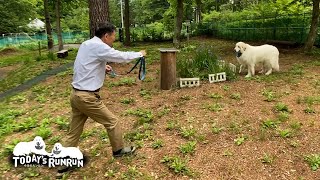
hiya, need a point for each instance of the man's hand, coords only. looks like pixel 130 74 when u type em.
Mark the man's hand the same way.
pixel 143 52
pixel 108 68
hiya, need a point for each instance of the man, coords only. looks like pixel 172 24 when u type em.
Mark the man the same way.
pixel 89 74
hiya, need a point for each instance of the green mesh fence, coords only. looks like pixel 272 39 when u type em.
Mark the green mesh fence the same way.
pixel 12 39
pixel 294 28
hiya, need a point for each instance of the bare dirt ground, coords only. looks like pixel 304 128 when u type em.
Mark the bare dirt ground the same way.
pixel 215 116
pixel 5 70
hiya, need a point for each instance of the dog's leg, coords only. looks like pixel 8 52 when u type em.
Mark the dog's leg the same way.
pixel 249 73
pixel 276 66
pixel 250 70
pixel 240 70
pixel 269 71
pixel 262 69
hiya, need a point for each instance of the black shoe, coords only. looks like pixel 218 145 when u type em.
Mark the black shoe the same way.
pixel 124 151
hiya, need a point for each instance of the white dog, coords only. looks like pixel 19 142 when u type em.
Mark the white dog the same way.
pixel 249 56
pixel 37 146
pixel 59 151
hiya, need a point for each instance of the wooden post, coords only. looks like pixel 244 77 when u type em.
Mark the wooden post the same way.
pixel 168 68
pixel 39 48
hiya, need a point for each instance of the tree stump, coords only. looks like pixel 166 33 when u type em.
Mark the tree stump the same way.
pixel 168 68
pixel 62 53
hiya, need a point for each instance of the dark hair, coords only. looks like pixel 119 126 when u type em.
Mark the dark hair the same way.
pixel 104 28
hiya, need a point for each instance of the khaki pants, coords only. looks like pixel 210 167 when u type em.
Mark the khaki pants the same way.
pixel 88 104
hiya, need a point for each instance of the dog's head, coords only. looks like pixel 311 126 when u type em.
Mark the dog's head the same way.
pixel 39 143
pixel 57 148
pixel 240 48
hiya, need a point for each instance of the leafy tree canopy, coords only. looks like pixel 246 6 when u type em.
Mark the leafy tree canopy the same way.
pixel 16 14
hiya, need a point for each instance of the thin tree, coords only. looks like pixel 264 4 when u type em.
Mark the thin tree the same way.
pixel 178 23
pixel 198 11
pixel 58 28
pixel 314 26
pixel 98 13
pixel 48 25
pixel 126 23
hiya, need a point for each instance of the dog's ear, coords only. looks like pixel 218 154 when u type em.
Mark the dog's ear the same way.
pixel 244 47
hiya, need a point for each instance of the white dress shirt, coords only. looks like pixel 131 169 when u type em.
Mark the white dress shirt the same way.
pixel 90 64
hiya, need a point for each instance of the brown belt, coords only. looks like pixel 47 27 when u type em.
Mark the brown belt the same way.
pixel 87 90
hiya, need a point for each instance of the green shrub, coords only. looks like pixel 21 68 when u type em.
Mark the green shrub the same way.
pixel 204 62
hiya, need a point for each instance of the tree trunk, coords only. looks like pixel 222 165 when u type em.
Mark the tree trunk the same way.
pixel 98 13
pixel 178 24
pixel 60 42
pixel 198 11
pixel 314 27
pixel 48 25
pixel 126 23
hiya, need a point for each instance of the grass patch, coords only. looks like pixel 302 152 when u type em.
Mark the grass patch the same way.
pixel 171 125
pixel 163 112
pixel 297 70
pixel 215 107
pixel 62 122
pixel 138 135
pixel 145 115
pixel 8 148
pixel 185 97
pixel 127 100
pixel 146 94
pixel 281 107
pixel 240 140
pixel 8 120
pixel 188 148
pixel 187 132
pixel 310 110
pixel 269 124
pixel 157 144
pixel 269 95
pixel 123 82
pixel 54 139
pixel 313 160
pixel 267 159
pixel 235 127
pixel 309 100
pixel 44 132
pixel 286 133
pixel 87 134
pixel 15 56
pixel 296 125
pixel 215 129
pixel 132 173
pixel 177 165
pixel 236 96
pixel 26 68
pixel 215 96
pixel 294 144
pixel 226 87
pixel 283 116
pixel 28 124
